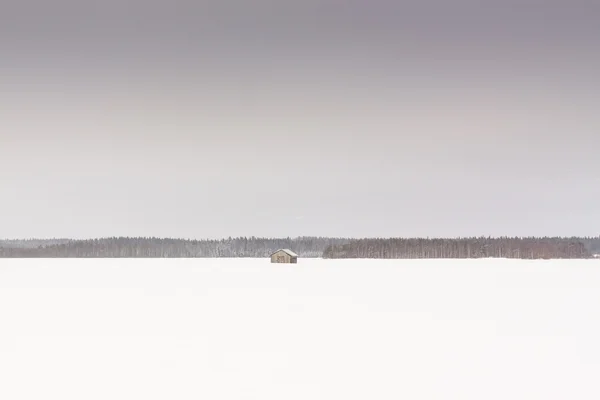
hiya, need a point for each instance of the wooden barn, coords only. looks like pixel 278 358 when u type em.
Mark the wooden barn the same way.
pixel 284 256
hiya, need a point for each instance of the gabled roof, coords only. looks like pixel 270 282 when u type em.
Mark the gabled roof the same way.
pixel 289 252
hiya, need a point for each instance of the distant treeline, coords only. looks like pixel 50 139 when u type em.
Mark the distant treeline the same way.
pixel 308 247
pixel 30 243
pixel 478 247
pixel 127 247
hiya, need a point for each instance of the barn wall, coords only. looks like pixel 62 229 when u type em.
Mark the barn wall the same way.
pixel 286 257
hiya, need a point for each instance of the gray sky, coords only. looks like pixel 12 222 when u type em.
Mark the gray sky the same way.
pixel 344 118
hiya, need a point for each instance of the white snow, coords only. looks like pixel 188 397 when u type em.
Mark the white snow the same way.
pixel 321 329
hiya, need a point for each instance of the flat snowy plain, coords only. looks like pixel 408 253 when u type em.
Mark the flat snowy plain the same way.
pixel 321 329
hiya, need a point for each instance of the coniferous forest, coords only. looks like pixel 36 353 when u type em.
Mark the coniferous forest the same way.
pixel 481 247
pixel 308 247
pixel 142 247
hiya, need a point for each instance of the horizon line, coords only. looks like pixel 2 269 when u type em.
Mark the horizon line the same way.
pixel 296 237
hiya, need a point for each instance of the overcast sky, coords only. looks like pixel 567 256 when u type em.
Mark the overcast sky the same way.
pixel 277 118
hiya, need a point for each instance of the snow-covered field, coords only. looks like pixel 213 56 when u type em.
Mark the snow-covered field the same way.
pixel 321 329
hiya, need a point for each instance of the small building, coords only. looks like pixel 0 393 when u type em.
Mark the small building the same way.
pixel 284 256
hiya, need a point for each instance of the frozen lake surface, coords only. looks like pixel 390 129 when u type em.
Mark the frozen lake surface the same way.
pixel 321 329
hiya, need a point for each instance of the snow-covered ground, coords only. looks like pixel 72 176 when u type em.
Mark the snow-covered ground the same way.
pixel 321 329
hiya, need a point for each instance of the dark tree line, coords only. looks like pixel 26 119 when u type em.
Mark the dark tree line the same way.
pixel 592 244
pixel 30 243
pixel 477 247
pixel 142 247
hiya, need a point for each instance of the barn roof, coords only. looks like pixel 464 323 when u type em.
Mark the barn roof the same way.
pixel 291 253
